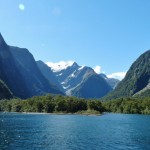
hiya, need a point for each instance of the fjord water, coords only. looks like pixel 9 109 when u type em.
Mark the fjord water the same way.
pixel 74 132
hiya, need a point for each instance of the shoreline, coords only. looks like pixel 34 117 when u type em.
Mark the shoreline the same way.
pixel 55 113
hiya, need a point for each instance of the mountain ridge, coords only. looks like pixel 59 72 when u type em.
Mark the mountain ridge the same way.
pixel 19 71
pixel 136 79
pixel 23 77
pixel 73 77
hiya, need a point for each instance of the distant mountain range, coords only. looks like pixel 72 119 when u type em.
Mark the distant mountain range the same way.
pixel 82 81
pixel 21 76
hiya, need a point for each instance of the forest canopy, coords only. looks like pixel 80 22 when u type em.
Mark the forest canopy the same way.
pixel 52 104
pixel 67 104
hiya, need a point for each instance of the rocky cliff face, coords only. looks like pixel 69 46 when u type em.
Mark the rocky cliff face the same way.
pixel 5 93
pixel 48 74
pixel 137 79
pixel 9 73
pixel 20 73
pixel 92 86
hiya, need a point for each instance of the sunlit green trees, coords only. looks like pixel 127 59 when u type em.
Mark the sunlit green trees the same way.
pixel 67 104
pixel 128 105
pixel 50 104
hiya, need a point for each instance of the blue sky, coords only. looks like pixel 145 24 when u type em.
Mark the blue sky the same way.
pixel 106 33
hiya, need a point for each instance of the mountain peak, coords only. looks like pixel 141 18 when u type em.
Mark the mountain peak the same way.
pixel 75 64
pixel 56 67
pixel 2 40
pixel 40 61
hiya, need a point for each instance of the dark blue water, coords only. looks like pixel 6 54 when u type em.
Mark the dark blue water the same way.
pixel 74 132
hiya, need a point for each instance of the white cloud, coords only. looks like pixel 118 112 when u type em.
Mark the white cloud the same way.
pixel 117 75
pixel 97 69
pixel 56 11
pixel 21 7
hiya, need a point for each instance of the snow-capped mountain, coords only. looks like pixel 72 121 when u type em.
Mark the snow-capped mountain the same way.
pixel 57 67
pixel 64 72
pixel 71 76
pixel 48 74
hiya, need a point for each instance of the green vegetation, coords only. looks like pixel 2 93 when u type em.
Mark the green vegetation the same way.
pixel 136 79
pixel 65 104
pixel 52 104
pixel 143 93
pixel 128 106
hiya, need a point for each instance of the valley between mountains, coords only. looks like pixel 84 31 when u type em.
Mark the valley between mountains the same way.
pixel 23 77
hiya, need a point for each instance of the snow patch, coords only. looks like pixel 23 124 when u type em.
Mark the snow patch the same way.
pixel 56 67
pixel 65 87
pixel 72 75
pixel 81 67
pixel 59 74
